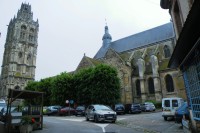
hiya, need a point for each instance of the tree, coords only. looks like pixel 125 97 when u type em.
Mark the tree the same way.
pixel 61 89
pixel 97 85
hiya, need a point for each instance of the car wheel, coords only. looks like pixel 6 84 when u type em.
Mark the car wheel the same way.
pixel 113 121
pixel 87 119
pixel 96 119
pixel 165 118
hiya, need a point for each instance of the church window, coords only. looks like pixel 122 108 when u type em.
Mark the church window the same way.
pixel 138 89
pixel 20 54
pixel 151 86
pixel 31 38
pixel 22 35
pixel 28 56
pixel 169 83
pixel 17 87
pixel 23 27
pixel 167 51
pixel 32 30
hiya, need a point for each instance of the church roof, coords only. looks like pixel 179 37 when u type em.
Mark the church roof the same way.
pixel 141 39
pixel 144 38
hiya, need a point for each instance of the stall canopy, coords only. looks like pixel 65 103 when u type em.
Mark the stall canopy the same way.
pixel 23 94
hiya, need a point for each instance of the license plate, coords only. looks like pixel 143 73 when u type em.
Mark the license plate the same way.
pixel 110 117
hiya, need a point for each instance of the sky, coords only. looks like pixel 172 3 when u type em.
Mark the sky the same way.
pixel 68 29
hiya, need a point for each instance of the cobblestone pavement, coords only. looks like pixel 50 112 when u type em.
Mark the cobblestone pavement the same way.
pixel 150 123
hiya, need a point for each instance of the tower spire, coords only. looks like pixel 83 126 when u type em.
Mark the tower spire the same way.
pixel 106 37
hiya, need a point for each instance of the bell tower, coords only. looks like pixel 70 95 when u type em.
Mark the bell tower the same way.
pixel 20 51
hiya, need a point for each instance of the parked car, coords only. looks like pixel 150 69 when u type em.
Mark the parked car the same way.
pixel 80 110
pixel 119 108
pixel 53 110
pixel 133 108
pixel 2 104
pixel 99 112
pixel 182 110
pixel 170 105
pixel 44 111
pixel 67 111
pixel 148 106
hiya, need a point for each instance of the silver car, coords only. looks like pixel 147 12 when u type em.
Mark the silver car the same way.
pixel 148 106
pixel 100 113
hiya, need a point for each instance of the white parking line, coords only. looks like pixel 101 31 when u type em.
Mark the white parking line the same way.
pixel 119 119
pixel 102 126
pixel 77 120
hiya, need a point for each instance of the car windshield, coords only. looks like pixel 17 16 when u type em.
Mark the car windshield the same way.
pixel 81 108
pixel 102 107
pixel 118 105
pixel 2 104
pixel 183 105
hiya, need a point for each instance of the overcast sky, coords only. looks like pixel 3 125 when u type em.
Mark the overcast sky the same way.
pixel 70 28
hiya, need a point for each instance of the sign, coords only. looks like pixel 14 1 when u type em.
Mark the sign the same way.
pixel 71 101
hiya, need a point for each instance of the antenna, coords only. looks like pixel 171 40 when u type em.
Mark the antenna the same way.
pixel 106 21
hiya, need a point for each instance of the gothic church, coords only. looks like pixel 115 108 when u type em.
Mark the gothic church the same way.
pixel 141 60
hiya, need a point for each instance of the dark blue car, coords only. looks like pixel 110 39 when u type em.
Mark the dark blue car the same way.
pixel 182 110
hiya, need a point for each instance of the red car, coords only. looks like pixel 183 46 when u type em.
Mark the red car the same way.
pixel 67 111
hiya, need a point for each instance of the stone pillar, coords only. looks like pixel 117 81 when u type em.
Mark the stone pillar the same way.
pixel 141 67
pixel 157 86
pixel 143 91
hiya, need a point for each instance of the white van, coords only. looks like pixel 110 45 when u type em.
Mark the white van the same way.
pixel 169 106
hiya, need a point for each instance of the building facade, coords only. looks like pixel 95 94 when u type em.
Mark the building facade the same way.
pixel 141 60
pixel 20 51
pixel 186 56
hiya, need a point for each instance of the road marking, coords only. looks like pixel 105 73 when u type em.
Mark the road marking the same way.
pixel 77 120
pixel 51 121
pixel 119 119
pixel 102 126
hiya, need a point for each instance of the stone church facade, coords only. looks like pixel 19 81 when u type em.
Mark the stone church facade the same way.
pixel 19 58
pixel 141 61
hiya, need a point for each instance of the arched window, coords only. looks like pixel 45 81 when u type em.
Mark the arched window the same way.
pixel 17 87
pixel 138 90
pixel 169 83
pixel 23 27
pixel 20 54
pixel 151 86
pixel 167 51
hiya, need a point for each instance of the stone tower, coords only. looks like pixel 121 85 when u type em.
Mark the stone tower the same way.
pixel 19 59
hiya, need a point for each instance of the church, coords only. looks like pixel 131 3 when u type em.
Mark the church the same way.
pixel 141 61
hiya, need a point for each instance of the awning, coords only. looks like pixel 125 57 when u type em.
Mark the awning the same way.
pixel 23 94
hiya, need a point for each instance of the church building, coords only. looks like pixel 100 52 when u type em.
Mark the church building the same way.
pixel 20 51
pixel 141 61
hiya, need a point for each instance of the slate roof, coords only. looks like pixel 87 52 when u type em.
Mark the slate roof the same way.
pixel 141 39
